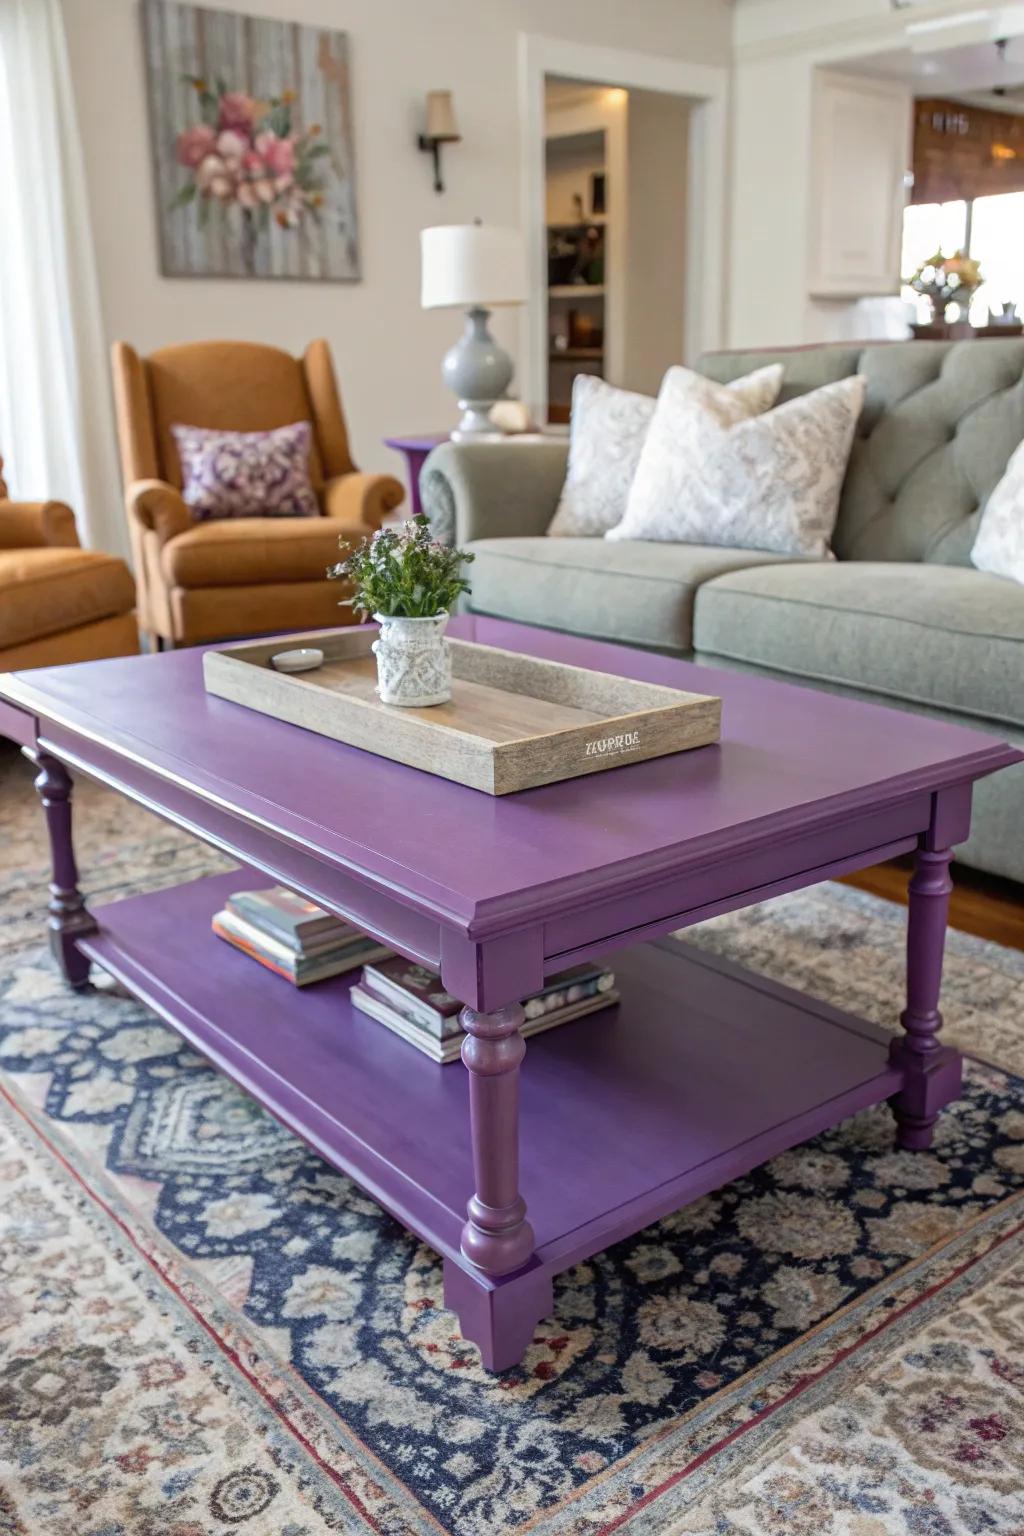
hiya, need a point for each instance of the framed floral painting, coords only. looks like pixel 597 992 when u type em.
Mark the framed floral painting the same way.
pixel 252 142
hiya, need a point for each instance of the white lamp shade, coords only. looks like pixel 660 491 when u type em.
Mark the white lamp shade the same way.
pixel 468 264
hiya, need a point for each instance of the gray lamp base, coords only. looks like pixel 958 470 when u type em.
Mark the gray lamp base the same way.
pixel 479 372
pixel 475 420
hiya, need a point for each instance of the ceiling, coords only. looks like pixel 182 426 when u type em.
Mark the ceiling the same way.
pixel 978 72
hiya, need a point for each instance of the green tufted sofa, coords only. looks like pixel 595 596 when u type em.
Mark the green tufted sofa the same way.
pixel 900 616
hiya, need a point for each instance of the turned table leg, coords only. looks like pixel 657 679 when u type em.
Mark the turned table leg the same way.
pixel 497 1238
pixel 68 916
pixel 933 1071
pixel 499 1296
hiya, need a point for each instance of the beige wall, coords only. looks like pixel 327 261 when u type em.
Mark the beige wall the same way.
pixel 388 351
pixel 655 237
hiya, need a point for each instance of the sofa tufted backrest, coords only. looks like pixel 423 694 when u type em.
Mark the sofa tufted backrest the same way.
pixel 940 421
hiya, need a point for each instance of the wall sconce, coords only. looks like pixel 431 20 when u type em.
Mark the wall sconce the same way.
pixel 441 129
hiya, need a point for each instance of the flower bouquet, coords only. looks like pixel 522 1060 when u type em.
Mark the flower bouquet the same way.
pixel 943 279
pixel 248 155
pixel 409 583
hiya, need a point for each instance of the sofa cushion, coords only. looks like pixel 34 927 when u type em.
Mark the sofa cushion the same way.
pixel 45 591
pixel 240 551
pixel 937 635
pixel 638 593
pixel 940 423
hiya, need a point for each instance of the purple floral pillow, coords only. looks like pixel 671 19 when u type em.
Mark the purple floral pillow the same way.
pixel 246 474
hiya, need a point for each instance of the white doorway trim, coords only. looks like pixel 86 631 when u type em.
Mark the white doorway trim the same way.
pixel 706 86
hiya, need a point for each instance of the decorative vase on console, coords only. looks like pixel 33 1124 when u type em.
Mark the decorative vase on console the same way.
pixel 409 583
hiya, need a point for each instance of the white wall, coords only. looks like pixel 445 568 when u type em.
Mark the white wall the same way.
pixel 778 45
pixel 387 350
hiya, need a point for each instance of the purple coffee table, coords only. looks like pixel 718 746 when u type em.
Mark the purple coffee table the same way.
pixel 525 1162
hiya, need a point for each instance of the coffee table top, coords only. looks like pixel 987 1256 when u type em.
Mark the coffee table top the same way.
pixel 790 758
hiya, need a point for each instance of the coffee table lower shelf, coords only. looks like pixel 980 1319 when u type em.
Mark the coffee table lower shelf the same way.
pixel 698 1075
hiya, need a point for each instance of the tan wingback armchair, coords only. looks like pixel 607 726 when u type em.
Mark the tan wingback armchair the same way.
pixel 248 575
pixel 58 602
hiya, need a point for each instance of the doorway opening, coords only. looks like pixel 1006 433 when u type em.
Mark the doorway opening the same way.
pixel 616 170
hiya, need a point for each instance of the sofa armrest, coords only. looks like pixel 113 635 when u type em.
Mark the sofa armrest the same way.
pixel 155 505
pixel 362 501
pixel 36 525
pixel 492 490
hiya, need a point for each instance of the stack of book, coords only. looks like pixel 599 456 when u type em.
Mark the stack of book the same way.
pixel 292 937
pixel 411 1001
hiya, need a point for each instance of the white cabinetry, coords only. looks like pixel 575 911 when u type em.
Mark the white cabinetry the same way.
pixel 861 153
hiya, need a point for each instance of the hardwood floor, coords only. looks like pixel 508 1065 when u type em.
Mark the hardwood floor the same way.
pixel 981 904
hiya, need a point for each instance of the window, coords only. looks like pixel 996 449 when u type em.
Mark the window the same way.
pixel 991 229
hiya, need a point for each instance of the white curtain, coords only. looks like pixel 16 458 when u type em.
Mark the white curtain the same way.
pixel 56 416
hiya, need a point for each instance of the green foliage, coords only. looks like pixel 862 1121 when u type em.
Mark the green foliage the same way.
pixel 209 108
pixel 279 119
pixel 403 573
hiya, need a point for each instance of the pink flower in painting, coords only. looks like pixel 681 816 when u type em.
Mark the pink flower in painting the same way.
pixel 237 110
pixel 244 162
pixel 195 144
pixel 214 178
pixel 279 154
pixel 231 146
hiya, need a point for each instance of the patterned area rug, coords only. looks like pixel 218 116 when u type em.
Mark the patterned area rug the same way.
pixel 205 1329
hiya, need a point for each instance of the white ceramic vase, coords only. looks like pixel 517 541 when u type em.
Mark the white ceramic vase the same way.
pixel 414 663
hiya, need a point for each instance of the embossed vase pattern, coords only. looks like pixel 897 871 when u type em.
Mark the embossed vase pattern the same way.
pixel 414 664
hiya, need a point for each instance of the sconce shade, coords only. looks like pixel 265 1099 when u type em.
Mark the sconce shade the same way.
pixel 472 264
pixel 441 125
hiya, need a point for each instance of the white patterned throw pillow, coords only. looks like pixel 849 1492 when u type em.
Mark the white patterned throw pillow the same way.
pixel 606 433
pixel 768 481
pixel 691 414
pixel 999 542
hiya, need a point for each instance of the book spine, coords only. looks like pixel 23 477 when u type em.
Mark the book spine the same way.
pixel 412 1007
pixel 300 974
pixel 256 940
pixel 245 948
pixel 439 1051
pixel 259 918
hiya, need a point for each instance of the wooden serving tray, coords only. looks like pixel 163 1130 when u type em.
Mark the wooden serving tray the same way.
pixel 513 721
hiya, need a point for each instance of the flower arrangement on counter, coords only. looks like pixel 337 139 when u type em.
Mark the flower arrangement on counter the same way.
pixel 248 155
pixel 944 280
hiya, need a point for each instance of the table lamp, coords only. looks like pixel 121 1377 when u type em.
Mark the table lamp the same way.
pixel 475 267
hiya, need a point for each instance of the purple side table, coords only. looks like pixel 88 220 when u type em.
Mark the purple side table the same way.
pixel 416 450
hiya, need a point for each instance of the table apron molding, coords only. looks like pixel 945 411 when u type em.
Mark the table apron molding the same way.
pixel 502 914
pixel 16 724
pixel 686 917
pixel 358 900
pixel 120 766
pixel 487 972
pixel 498 916
pixel 853 841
